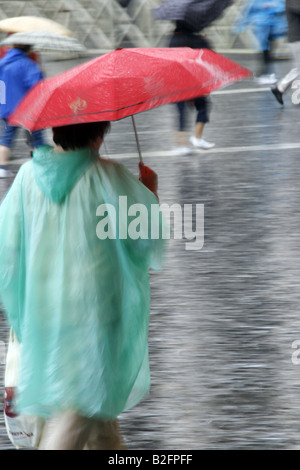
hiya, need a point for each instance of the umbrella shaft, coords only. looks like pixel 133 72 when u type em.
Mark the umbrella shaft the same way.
pixel 137 138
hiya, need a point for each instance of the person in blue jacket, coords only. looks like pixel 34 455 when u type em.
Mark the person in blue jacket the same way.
pixel 267 20
pixel 18 74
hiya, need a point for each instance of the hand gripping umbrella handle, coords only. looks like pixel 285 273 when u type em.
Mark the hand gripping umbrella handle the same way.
pixel 137 139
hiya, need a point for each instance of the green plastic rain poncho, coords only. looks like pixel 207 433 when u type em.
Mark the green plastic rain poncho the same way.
pixel 77 299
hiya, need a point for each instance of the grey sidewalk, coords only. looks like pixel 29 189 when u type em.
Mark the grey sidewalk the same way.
pixel 224 319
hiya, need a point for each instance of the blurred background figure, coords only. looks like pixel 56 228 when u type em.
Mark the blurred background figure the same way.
pixel 293 18
pixel 124 3
pixel 183 37
pixel 19 73
pixel 267 21
pixel 191 17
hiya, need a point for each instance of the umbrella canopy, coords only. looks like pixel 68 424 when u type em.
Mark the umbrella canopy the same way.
pixel 23 24
pixel 44 41
pixel 122 83
pixel 195 14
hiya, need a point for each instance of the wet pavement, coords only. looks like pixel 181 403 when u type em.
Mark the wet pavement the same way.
pixel 224 319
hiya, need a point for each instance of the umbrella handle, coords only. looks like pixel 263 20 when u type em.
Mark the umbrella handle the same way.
pixel 137 139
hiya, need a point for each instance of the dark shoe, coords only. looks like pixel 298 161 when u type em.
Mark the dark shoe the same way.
pixel 277 94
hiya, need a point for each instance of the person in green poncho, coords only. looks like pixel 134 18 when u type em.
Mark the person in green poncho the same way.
pixel 75 291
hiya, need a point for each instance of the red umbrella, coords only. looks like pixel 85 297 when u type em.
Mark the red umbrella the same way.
pixel 122 83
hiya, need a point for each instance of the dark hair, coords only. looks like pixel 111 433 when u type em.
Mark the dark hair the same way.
pixel 23 47
pixel 79 135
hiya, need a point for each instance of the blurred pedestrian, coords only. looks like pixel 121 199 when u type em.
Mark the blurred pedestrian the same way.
pixel 75 291
pixel 293 18
pixel 184 37
pixel 19 74
pixel 267 20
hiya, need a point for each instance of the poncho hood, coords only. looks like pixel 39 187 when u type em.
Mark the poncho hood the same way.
pixel 57 173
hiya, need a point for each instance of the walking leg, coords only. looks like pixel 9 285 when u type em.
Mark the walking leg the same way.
pixel 105 435
pixel 67 431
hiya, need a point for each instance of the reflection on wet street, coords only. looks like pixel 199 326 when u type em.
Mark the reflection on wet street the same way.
pixel 224 319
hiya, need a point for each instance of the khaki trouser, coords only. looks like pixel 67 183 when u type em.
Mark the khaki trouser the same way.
pixel 70 431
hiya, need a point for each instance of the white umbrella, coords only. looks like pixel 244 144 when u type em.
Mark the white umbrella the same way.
pixel 22 24
pixel 44 41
